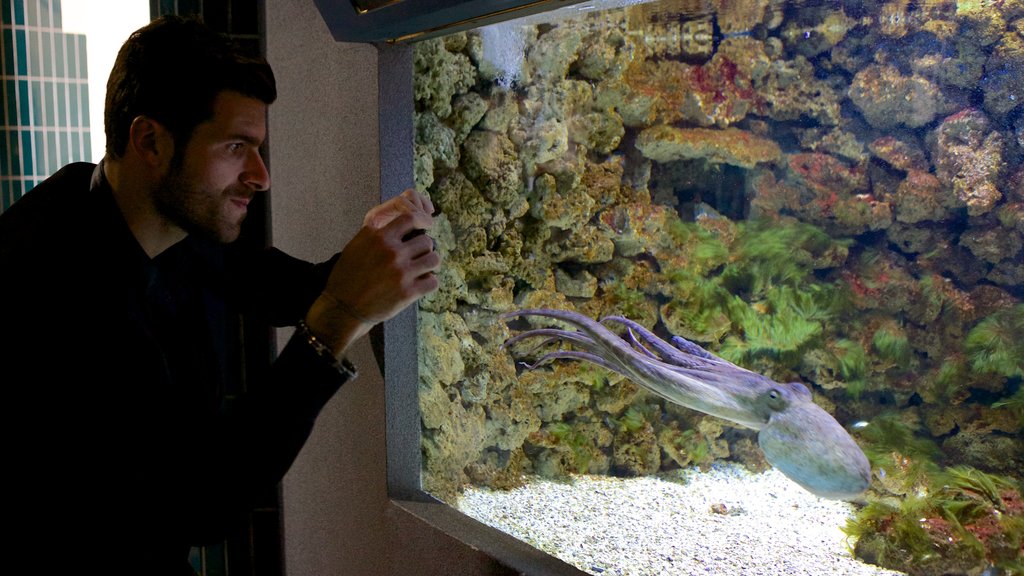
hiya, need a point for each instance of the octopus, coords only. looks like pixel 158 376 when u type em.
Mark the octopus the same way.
pixel 798 437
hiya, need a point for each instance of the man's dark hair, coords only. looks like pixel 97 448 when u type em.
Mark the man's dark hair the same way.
pixel 171 70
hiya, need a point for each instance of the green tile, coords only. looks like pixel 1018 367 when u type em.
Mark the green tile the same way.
pixel 73 105
pixel 5 157
pixel 11 113
pixel 21 48
pixel 39 153
pixel 23 111
pixel 59 50
pixel 27 168
pixel 72 57
pixel 55 161
pixel 47 54
pixel 9 50
pixel 85 105
pixel 83 67
pixel 32 13
pixel 14 140
pixel 49 109
pixel 62 104
pixel 33 53
pixel 64 144
pixel 37 103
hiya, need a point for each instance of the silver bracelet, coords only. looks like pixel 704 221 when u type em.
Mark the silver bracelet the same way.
pixel 343 366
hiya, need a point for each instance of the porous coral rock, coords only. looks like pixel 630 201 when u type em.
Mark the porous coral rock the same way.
pixel 984 450
pixel 439 75
pixel 1008 272
pixel 748 56
pixel 550 55
pixel 962 67
pixel 467 110
pixel 727 146
pixel 966 153
pixel 899 153
pixel 502 110
pixel 836 142
pixel 921 197
pixel 438 138
pixel 563 209
pixel 466 209
pixel 834 195
pixel 607 48
pixel 449 449
pixel 979 21
pixel 585 246
pixel 422 167
pixel 581 285
pixel 914 239
pixel 598 131
pixel 791 90
pixel 636 452
pixel 666 91
pixel 888 99
pixel 547 140
pixel 1003 83
pixel 603 181
pixel 991 243
pixel 491 162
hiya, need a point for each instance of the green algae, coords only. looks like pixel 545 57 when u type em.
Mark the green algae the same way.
pixel 996 344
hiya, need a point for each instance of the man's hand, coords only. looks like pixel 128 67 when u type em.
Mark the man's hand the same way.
pixel 388 265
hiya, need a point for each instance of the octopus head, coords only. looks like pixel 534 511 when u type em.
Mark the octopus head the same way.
pixel 808 445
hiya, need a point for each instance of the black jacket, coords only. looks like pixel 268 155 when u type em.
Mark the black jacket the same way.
pixel 121 447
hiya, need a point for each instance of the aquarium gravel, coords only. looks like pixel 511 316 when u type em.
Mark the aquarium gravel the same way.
pixel 726 521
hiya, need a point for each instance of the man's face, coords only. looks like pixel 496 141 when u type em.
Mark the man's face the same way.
pixel 210 183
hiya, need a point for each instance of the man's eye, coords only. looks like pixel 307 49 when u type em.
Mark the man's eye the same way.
pixel 236 147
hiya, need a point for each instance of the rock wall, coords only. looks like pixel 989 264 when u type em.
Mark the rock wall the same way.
pixel 832 195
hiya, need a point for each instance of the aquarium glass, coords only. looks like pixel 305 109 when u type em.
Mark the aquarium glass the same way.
pixel 800 226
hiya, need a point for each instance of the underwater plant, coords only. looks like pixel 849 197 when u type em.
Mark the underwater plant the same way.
pixel 949 386
pixel 902 458
pixel 996 344
pixel 767 254
pixel 849 361
pixel 962 520
pixel 891 343
pixel 580 445
pixel 628 301
pixel 1014 403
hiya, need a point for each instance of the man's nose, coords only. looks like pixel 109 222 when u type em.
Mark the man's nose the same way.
pixel 256 174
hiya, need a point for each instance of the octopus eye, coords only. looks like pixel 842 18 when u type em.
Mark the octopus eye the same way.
pixel 776 400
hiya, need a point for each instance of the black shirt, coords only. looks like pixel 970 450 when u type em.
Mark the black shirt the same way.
pixel 121 448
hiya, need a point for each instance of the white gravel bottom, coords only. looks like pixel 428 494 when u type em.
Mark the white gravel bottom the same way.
pixel 727 521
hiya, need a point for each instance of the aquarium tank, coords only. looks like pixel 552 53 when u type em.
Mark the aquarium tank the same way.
pixel 822 200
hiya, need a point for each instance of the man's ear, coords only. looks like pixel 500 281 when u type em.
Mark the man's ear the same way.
pixel 151 142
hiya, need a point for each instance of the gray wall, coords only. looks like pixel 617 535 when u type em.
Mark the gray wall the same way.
pixel 323 160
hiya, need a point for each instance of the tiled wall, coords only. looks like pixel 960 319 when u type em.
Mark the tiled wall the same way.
pixel 45 96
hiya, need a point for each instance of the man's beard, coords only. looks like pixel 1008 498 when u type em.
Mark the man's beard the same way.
pixel 193 209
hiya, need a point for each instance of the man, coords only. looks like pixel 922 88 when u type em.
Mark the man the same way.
pixel 120 295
